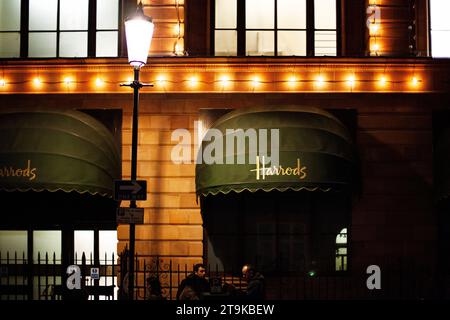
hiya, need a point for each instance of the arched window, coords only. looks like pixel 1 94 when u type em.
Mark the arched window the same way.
pixel 341 250
pixel 275 27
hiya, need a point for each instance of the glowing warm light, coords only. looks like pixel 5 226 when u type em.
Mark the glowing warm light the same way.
pixel 225 81
pixel 99 82
pixel 383 81
pixel 292 81
pixel 130 80
pixel 67 80
pixel 178 48
pixel 37 82
pixel 255 81
pixel 177 29
pixel 414 81
pixel 161 79
pixel 351 81
pixel 193 81
pixel 374 28
pixel 320 81
pixel 2 82
pixel 375 47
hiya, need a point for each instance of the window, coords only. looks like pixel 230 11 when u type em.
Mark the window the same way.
pixel 341 250
pixel 59 28
pixel 10 28
pixel 440 28
pixel 275 27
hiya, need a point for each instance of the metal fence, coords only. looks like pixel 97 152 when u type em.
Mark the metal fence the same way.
pixel 43 278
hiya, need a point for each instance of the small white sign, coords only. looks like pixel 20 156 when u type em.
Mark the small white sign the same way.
pixel 130 215
pixel 95 273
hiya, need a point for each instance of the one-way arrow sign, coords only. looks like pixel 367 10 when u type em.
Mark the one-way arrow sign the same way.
pixel 130 190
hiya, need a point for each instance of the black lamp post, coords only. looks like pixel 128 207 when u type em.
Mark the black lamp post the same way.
pixel 138 32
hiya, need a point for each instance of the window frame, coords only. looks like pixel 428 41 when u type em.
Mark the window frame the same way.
pixel 91 31
pixel 310 29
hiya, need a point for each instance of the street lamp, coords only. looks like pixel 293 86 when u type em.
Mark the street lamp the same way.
pixel 138 33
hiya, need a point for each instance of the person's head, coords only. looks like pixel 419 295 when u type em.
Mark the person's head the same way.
pixel 200 270
pixel 248 271
pixel 153 284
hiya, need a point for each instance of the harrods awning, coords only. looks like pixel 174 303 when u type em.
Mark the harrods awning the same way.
pixel 316 153
pixel 442 168
pixel 56 150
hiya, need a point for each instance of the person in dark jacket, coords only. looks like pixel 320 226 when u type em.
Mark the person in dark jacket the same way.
pixel 195 284
pixel 255 283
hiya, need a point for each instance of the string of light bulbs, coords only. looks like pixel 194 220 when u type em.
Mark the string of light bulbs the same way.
pixel 320 79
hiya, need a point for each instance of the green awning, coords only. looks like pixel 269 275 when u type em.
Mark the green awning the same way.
pixel 315 153
pixel 56 150
pixel 441 166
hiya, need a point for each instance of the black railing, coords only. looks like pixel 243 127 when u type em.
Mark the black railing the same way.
pixel 43 278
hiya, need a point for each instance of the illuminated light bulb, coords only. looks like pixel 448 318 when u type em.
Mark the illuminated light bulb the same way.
pixel 255 81
pixel 2 82
pixel 320 81
pixel 161 79
pixel 99 82
pixel 37 82
pixel 130 80
pixel 414 81
pixel 383 81
pixel 193 81
pixel 292 81
pixel 351 80
pixel 67 80
pixel 225 81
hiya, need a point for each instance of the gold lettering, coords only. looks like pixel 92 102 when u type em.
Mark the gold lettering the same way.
pixel 33 174
pixel 27 172
pixel 279 170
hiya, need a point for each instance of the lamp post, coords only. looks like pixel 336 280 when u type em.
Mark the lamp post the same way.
pixel 138 33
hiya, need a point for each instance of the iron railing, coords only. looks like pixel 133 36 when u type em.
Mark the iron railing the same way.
pixel 43 278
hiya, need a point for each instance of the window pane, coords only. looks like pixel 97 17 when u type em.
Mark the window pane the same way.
pixel 13 241
pixel 42 45
pixel 259 14
pixel 84 243
pixel 226 13
pixel 225 43
pixel 439 10
pixel 43 14
pixel 325 43
pixel 107 245
pixel 73 44
pixel 440 44
pixel 10 45
pixel 107 14
pixel 325 14
pixel 10 15
pixel 292 43
pixel 292 14
pixel 74 15
pixel 106 44
pixel 46 242
pixel 260 43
